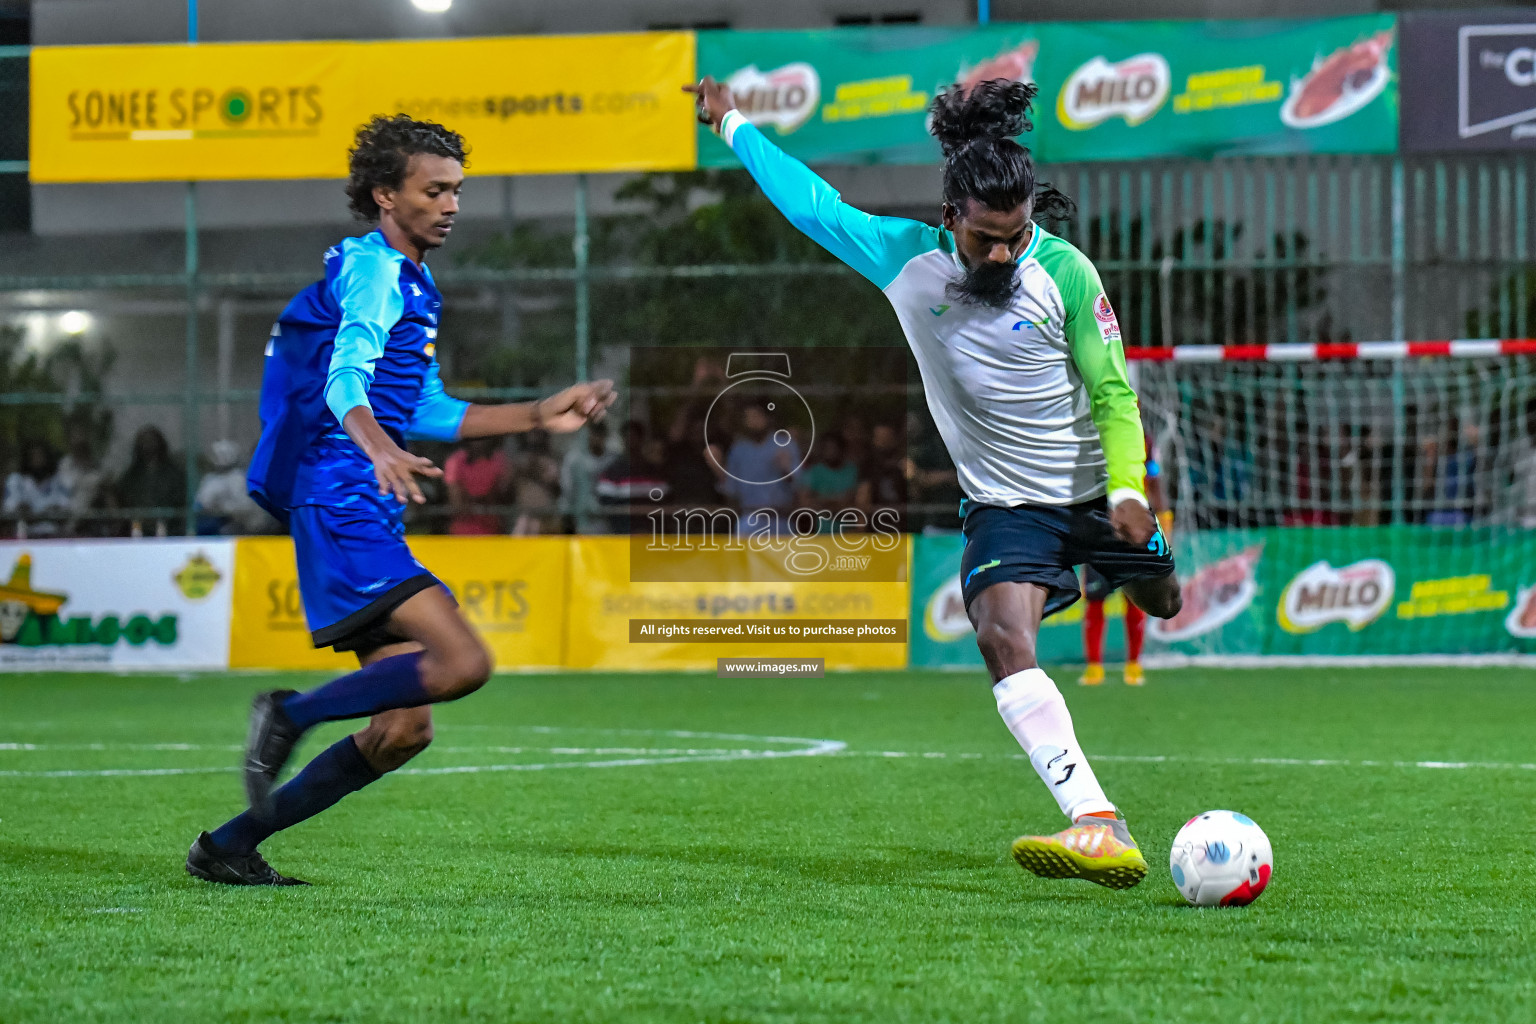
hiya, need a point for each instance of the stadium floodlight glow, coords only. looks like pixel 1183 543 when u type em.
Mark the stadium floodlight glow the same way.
pixel 432 6
pixel 74 322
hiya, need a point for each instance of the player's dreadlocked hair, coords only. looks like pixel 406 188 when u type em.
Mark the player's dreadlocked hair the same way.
pixel 975 130
pixel 382 150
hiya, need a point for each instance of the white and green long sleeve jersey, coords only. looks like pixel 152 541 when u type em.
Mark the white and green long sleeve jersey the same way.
pixel 1032 401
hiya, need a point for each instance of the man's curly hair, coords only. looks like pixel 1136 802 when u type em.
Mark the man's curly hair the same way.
pixel 382 151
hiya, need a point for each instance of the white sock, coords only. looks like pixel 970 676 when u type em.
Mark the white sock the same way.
pixel 1036 714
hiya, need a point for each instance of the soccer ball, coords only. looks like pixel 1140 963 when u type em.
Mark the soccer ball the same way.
pixel 1220 858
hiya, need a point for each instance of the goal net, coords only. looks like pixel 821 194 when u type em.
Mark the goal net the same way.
pixel 1373 501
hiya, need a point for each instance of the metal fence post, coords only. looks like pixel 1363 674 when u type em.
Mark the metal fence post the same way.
pixel 189 395
pixel 189 427
pixel 583 279
pixel 1399 254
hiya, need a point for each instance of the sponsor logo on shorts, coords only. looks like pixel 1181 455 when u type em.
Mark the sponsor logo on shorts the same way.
pixel 982 568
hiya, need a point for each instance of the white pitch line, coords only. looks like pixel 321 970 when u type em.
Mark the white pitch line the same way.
pixel 703 755
pixel 806 747
pixel 1315 762
pixel 120 746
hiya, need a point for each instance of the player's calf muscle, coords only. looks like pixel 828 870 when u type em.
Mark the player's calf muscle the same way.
pixel 394 737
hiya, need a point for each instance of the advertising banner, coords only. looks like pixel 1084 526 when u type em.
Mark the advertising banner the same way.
pixel 1375 591
pixel 604 601
pixel 131 604
pixel 1130 90
pixel 512 589
pixel 1469 80
pixel 854 95
pixel 942 636
pixel 526 105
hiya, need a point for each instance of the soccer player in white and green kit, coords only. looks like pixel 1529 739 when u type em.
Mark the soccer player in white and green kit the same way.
pixel 1024 372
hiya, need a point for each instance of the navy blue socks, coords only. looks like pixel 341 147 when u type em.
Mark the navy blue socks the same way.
pixel 383 686
pixel 338 770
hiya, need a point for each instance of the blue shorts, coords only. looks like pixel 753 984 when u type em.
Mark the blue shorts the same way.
pixel 354 570
pixel 1041 544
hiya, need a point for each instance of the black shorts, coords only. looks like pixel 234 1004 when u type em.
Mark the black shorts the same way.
pixel 367 628
pixel 1041 544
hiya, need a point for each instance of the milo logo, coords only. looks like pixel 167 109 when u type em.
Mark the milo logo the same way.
pixel 785 97
pixel 1355 595
pixel 1132 89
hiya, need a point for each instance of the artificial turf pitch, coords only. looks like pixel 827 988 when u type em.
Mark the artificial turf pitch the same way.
pixel 644 875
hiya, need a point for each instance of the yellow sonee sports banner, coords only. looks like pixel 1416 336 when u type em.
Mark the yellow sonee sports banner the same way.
pixel 526 105
pixel 512 589
pixel 603 601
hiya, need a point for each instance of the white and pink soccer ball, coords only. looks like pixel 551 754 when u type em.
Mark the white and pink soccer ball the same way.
pixel 1221 858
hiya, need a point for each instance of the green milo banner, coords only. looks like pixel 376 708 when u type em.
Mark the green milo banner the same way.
pixel 1108 90
pixel 1334 591
pixel 1128 90
pixel 1372 591
pixel 854 95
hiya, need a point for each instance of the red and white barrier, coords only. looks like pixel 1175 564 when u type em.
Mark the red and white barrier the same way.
pixel 1459 348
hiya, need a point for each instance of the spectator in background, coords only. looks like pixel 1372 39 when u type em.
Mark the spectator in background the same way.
pixel 1517 476
pixel 34 495
pixel 1455 488
pixel 883 477
pixel 831 483
pixel 578 481
pixel 153 480
pixel 630 485
pixel 477 473
pixel 83 482
pixel 855 431
pixel 758 467
pixel 224 504
pixel 536 487
pixel 690 475
pixel 1219 472
pixel 934 479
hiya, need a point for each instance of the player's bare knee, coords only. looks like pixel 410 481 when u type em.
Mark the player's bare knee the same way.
pixel 459 672
pixel 1164 604
pixel 1006 650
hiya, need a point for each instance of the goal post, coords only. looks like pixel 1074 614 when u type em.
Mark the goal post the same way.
pixel 1369 502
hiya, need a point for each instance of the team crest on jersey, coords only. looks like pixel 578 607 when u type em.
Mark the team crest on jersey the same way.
pixel 1104 313
pixel 430 350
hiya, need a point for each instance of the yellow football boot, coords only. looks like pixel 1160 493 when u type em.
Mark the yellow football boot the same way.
pixel 1135 675
pixel 1100 850
pixel 1093 675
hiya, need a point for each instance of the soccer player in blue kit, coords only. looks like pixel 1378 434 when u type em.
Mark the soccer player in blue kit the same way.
pixel 351 375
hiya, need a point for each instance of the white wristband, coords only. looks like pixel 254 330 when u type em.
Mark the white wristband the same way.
pixel 732 120
pixel 1120 494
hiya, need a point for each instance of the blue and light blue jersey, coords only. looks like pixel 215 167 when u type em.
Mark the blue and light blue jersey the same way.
pixel 365 334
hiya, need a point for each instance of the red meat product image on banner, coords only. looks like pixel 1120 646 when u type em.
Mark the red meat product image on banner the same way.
pixel 1213 597
pixel 1016 65
pixel 1339 84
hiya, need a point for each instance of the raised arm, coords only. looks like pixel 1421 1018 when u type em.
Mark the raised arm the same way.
pixel 877 247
